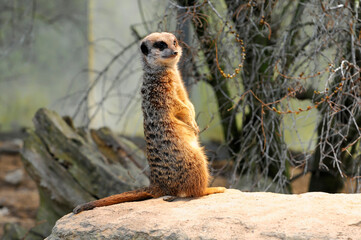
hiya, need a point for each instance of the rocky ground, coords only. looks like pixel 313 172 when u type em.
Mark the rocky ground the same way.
pixel 19 199
pixel 230 215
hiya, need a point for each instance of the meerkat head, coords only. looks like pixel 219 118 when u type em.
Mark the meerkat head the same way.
pixel 160 50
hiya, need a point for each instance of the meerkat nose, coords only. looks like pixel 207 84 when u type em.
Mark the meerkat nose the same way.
pixel 175 53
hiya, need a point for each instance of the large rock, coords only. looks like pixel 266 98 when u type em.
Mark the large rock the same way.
pixel 230 215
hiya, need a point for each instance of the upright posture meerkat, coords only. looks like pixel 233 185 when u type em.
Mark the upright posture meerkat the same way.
pixel 177 163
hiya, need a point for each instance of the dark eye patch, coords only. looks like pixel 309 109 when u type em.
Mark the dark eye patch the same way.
pixel 160 45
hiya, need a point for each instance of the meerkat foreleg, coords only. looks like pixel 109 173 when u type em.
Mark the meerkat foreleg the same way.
pixel 187 116
pixel 183 119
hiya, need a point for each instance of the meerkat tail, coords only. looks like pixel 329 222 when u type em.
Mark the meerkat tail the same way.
pixel 136 195
pixel 212 190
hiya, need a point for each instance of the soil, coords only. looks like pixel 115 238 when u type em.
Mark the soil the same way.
pixel 19 200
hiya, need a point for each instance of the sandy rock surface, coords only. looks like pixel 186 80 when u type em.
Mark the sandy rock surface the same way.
pixel 231 215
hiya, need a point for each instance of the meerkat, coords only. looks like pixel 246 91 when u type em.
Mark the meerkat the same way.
pixel 178 164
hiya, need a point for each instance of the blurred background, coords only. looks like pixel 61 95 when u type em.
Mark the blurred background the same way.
pixel 275 84
pixel 54 51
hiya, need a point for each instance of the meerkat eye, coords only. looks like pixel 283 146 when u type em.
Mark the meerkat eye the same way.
pixel 160 45
pixel 175 42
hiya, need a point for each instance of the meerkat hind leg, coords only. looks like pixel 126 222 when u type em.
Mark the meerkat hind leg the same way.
pixel 170 198
pixel 208 191
pixel 212 190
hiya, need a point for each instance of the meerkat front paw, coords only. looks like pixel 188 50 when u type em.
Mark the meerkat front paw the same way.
pixel 195 127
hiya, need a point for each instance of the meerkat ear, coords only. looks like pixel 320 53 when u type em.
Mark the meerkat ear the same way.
pixel 144 49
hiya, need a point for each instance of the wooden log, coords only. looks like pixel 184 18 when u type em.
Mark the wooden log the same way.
pixel 69 168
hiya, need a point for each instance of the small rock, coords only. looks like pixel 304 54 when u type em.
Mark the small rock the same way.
pixel 14 177
pixel 4 211
pixel 13 144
